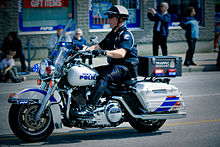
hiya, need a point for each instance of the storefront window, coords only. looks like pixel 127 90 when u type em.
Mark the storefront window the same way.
pixel 177 10
pixel 98 7
pixel 43 15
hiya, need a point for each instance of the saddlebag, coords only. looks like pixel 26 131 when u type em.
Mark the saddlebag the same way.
pixel 160 97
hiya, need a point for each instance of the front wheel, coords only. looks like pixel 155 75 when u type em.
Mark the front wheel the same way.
pixel 146 125
pixel 25 127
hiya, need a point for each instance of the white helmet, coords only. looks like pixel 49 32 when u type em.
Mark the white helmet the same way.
pixel 118 11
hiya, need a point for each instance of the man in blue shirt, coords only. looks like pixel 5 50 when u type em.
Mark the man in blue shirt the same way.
pixel 120 48
pixel 51 43
pixel 161 30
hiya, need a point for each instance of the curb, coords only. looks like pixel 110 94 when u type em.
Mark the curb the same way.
pixel 201 68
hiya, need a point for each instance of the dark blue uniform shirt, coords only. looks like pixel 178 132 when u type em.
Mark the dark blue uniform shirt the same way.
pixel 120 39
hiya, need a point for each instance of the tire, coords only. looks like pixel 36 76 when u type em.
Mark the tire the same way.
pixel 146 125
pixel 23 125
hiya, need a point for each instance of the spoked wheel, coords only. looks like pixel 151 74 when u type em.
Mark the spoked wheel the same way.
pixel 25 127
pixel 146 125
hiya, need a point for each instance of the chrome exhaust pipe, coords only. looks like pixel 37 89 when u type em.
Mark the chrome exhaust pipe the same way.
pixel 150 116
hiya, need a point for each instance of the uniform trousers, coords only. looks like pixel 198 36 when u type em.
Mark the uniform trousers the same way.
pixel 107 74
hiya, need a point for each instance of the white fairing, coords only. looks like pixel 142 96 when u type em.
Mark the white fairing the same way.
pixel 80 75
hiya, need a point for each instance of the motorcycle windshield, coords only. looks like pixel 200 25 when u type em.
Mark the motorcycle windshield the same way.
pixel 60 58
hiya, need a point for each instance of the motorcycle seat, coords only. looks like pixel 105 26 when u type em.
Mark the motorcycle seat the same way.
pixel 123 86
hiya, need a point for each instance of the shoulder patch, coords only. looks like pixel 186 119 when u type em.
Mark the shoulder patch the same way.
pixel 126 37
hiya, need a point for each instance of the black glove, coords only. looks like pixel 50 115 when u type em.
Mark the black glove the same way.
pixel 99 52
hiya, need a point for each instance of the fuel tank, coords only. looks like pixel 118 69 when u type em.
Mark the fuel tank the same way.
pixel 80 75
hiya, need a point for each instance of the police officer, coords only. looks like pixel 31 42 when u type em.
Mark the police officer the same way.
pixel 120 48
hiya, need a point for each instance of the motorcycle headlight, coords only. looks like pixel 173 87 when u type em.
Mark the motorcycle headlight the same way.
pixel 46 67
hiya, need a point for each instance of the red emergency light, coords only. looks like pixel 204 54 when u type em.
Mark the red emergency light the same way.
pixel 172 72
pixel 159 72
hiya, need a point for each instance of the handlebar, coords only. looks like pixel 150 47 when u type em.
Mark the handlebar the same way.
pixel 83 53
pixel 76 54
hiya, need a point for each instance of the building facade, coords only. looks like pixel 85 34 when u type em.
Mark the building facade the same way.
pixel 36 20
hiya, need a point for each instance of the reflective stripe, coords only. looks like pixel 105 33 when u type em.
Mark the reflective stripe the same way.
pixel 52 99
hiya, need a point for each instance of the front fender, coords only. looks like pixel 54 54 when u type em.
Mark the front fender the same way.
pixel 30 96
pixel 57 121
pixel 36 96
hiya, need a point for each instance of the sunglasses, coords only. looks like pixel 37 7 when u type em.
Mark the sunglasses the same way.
pixel 111 16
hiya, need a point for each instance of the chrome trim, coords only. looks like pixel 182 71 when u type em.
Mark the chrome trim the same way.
pixel 113 112
pixel 68 104
pixel 150 116
pixel 43 85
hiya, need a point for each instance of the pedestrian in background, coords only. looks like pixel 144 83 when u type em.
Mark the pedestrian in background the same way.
pixel 79 42
pixel 218 57
pixel 160 32
pixel 54 38
pixel 13 43
pixel 8 69
pixel 191 25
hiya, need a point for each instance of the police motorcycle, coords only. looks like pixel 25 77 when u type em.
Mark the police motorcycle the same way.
pixel 65 85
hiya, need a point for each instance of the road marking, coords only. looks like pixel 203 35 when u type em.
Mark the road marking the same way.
pixel 192 122
pixel 9 138
pixel 202 95
pixel 92 131
pixel 117 129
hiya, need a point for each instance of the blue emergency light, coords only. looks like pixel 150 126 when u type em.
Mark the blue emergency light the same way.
pixel 36 68
pixel 172 72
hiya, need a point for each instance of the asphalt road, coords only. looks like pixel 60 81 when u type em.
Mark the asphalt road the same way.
pixel 201 127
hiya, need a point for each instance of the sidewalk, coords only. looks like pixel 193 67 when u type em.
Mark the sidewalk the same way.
pixel 204 61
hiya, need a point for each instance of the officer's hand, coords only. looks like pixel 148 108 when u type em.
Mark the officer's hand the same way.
pixel 99 52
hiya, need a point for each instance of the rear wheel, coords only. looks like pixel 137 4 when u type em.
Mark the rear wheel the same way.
pixel 146 125
pixel 25 127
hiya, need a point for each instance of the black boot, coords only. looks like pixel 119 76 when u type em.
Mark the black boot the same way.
pixel 85 112
pixel 191 60
pixel 193 63
pixel 187 62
